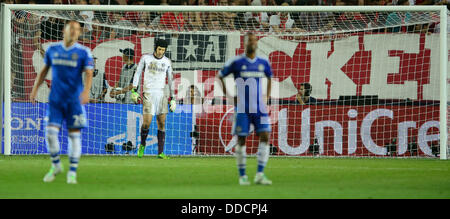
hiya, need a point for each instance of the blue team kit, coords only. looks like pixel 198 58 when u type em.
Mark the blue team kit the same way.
pixel 250 107
pixel 67 83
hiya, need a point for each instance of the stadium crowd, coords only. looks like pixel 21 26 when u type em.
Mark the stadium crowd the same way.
pixel 100 25
pixel 238 2
pixel 200 21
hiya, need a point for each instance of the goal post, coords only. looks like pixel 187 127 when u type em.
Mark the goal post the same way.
pixel 443 105
pixel 6 51
pixel 1 81
pixel 339 126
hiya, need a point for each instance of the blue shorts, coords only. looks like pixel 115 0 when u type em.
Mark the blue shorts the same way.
pixel 72 112
pixel 242 122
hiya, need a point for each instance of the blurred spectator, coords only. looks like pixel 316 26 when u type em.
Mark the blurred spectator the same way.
pixel 99 85
pixel 239 21
pixel 120 2
pixel 26 34
pixel 221 20
pixel 421 2
pixel 141 33
pixel 19 22
pixel 194 19
pixel 258 21
pixel 438 26
pixel 325 2
pixel 397 19
pixel 135 16
pixel 352 20
pixel 227 17
pixel 123 95
pixel 173 20
pixel 118 19
pixel 155 23
pixel 86 16
pixel 152 2
pixel 96 35
pixel 281 21
pixel 214 24
pixel 312 21
pixel 101 16
pixel 304 95
pixel 204 15
pixel 52 27
pixel 193 96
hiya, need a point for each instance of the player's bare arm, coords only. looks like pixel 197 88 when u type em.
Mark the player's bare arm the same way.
pixel 84 97
pixel 269 90
pixel 39 81
pixel 224 88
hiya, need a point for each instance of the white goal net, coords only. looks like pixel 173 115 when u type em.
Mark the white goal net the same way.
pixel 345 83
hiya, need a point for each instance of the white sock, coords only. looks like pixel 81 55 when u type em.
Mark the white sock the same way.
pixel 53 145
pixel 241 158
pixel 263 156
pixel 74 150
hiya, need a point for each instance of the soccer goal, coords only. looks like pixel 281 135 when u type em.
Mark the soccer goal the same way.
pixel 359 81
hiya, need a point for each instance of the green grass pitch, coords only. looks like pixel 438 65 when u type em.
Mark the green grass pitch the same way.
pixel 216 177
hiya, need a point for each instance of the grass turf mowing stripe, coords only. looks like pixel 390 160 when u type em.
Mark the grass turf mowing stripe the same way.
pixel 217 177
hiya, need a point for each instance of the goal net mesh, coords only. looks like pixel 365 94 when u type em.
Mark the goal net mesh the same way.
pixel 344 83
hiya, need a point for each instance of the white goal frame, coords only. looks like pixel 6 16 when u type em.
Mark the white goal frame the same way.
pixel 6 43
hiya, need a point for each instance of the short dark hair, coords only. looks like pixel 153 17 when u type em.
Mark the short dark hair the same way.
pixel 161 43
pixel 308 88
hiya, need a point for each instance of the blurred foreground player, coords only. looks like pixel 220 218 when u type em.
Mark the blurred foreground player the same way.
pixel 248 71
pixel 68 60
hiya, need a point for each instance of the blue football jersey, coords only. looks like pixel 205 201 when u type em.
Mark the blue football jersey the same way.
pixel 67 66
pixel 248 74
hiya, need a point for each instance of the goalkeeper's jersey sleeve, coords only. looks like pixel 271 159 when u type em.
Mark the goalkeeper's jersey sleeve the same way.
pixel 155 72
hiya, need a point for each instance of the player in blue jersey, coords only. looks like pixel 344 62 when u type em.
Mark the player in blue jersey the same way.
pixel 248 71
pixel 68 60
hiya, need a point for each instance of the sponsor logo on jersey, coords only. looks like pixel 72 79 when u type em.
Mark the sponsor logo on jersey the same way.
pixel 252 74
pixel 261 67
pixel 74 56
pixel 64 62
pixel 153 67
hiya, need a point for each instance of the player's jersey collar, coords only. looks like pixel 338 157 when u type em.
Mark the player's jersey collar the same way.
pixel 251 60
pixel 153 54
pixel 129 66
pixel 68 48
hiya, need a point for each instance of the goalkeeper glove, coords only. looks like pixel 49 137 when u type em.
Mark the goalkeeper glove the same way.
pixel 173 105
pixel 135 96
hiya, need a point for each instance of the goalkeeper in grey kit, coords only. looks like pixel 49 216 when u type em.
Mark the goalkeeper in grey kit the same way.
pixel 156 67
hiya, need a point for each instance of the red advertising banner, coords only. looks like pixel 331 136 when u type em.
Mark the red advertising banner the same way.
pixel 392 66
pixel 339 130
